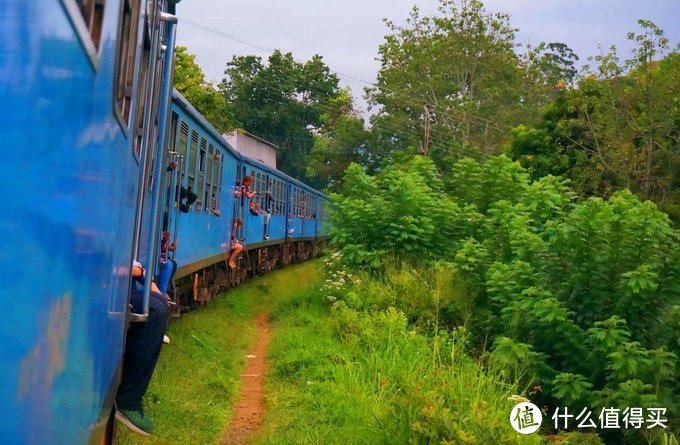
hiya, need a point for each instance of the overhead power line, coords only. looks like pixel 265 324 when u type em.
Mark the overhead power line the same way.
pixel 448 115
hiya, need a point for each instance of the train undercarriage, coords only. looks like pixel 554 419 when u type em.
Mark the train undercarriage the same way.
pixel 198 287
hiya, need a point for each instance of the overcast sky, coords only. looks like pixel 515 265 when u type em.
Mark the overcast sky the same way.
pixel 347 33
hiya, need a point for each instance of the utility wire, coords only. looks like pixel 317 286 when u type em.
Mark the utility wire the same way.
pixel 386 129
pixel 395 95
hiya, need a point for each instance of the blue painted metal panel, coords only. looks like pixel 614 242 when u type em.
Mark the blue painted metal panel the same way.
pixel 201 233
pixel 66 246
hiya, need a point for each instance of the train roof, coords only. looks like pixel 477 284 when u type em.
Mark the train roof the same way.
pixel 186 106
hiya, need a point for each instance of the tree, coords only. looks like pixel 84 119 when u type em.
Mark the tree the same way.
pixel 616 128
pixel 190 81
pixel 451 77
pixel 341 140
pixel 650 41
pixel 282 101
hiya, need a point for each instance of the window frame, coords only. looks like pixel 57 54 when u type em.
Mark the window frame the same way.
pixel 93 49
pixel 125 42
pixel 192 148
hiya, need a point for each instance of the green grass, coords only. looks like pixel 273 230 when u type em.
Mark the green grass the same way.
pixel 196 381
pixel 341 376
pixel 336 375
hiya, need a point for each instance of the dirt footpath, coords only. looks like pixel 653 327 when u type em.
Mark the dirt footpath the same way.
pixel 249 412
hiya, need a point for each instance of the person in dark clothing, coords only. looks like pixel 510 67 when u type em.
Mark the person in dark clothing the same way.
pixel 189 196
pixel 142 349
pixel 183 193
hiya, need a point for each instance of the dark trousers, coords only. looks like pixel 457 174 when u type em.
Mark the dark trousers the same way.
pixel 142 348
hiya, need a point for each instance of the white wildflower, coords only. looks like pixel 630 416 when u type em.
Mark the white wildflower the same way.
pixel 517 399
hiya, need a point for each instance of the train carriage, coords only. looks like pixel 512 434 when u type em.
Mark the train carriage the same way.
pixel 79 138
pixel 92 133
pixel 284 225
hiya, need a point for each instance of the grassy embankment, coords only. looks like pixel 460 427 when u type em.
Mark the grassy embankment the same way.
pixel 337 375
pixel 344 376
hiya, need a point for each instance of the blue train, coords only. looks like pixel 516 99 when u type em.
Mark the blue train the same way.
pixel 89 127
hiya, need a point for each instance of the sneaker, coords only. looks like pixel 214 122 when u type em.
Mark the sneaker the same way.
pixel 136 420
pixel 184 208
pixel 166 339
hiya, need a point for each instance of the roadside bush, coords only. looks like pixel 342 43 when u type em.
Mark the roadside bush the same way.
pixel 584 293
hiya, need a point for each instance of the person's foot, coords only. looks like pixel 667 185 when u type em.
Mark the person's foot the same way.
pixel 184 208
pixel 166 339
pixel 232 264
pixel 136 420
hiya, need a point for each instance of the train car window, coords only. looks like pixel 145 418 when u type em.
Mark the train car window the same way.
pixel 172 139
pixel 281 209
pixel 191 165
pixel 141 95
pixel 202 158
pixel 200 181
pixel 209 193
pixel 125 60
pixel 87 17
pixel 296 202
pixel 218 172
pixel 182 140
pixel 258 189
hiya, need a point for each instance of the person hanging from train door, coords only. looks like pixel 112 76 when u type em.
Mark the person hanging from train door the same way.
pixel 236 247
pixel 182 193
pixel 167 265
pixel 143 344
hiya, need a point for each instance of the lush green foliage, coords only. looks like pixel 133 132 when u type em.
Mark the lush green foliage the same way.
pixel 341 140
pixel 282 101
pixel 579 296
pixel 617 128
pixel 190 81
pixel 351 371
pixel 460 66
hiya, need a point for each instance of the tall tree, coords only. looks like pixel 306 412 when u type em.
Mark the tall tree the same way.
pixel 450 77
pixel 341 140
pixel 190 81
pixel 282 101
pixel 617 127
